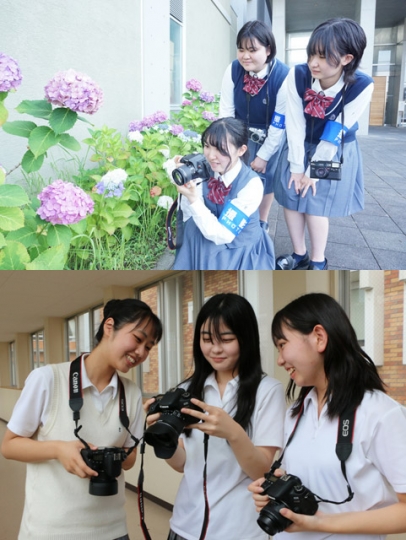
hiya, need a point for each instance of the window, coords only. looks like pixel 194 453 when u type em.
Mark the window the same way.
pixel 296 51
pixel 81 330
pixel 13 365
pixel 175 36
pixel 37 349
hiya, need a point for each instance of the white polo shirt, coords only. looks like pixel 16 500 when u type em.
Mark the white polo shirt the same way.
pixel 232 510
pixel 376 468
pixel 33 406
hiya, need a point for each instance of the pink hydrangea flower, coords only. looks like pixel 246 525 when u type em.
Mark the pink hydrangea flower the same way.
pixel 207 115
pixel 64 203
pixel 176 129
pixel 186 102
pixel 75 91
pixel 155 191
pixel 10 74
pixel 208 97
pixel 194 84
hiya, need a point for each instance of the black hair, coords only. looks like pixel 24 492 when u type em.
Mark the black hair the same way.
pixel 219 132
pixel 235 312
pixel 259 31
pixel 129 310
pixel 349 371
pixel 336 38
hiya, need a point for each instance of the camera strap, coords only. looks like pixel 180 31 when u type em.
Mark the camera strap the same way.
pixel 345 436
pixel 168 224
pixel 140 491
pixel 76 401
pixel 248 98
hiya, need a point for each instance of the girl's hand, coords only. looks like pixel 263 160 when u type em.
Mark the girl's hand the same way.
pixel 69 455
pixel 259 165
pixel 151 419
pixel 302 183
pixel 215 421
pixel 302 522
pixel 260 499
pixel 189 191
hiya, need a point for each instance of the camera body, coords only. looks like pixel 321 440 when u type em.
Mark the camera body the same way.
pixel 325 170
pixel 257 135
pixel 286 491
pixel 107 462
pixel 164 434
pixel 195 166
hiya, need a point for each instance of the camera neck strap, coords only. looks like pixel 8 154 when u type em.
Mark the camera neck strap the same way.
pixel 248 98
pixel 345 434
pixel 76 401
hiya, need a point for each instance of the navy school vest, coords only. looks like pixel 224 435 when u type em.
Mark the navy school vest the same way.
pixel 303 79
pixel 257 104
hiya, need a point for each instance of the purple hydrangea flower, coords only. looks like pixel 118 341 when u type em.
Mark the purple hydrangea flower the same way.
pixel 110 189
pixel 10 74
pixel 75 91
pixel 160 117
pixel 186 102
pixel 149 121
pixel 194 84
pixel 138 125
pixel 176 129
pixel 64 203
pixel 207 115
pixel 208 97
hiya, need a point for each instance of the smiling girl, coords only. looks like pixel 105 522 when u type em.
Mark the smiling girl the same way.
pixel 243 416
pixel 41 430
pixel 325 99
pixel 318 347
pixel 220 216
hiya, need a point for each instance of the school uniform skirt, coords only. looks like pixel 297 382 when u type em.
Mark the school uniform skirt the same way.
pixel 334 198
pixel 268 178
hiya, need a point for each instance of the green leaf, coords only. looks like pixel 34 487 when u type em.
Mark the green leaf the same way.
pixel 62 119
pixel 2 240
pixel 37 108
pixel 30 163
pixel 122 210
pixel 13 195
pixel 79 227
pixel 3 113
pixel 82 119
pixel 41 139
pixel 13 256
pixel 11 219
pixel 59 235
pixel 69 142
pixel 52 259
pixel 3 95
pixel 2 176
pixel 21 128
pixel 26 236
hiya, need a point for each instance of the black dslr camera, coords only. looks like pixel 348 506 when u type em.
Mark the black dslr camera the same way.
pixel 107 462
pixel 284 492
pixel 325 170
pixel 195 166
pixel 164 434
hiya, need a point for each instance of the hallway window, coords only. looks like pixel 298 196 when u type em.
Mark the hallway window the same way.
pixel 13 366
pixel 175 61
pixel 81 330
pixel 37 349
pixel 296 51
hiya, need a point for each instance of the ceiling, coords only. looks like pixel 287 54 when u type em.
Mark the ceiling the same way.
pixel 26 298
pixel 305 15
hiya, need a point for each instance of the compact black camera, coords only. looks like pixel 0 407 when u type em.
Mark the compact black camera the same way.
pixel 284 492
pixel 164 434
pixel 257 135
pixel 326 170
pixel 107 462
pixel 195 166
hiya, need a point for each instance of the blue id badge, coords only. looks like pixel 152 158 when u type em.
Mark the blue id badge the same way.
pixel 333 132
pixel 278 120
pixel 233 218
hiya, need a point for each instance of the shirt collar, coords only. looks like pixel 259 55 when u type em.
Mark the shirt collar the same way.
pixel 211 380
pixel 230 175
pixel 87 383
pixel 333 90
pixel 261 74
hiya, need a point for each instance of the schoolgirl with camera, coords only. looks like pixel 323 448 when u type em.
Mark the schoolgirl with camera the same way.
pixel 345 439
pixel 321 174
pixel 62 455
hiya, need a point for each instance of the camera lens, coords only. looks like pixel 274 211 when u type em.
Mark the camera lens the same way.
pixel 179 176
pixel 271 521
pixel 164 435
pixel 321 172
pixel 103 486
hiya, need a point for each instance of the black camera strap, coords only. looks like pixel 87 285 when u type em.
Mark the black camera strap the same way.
pixel 168 224
pixel 76 401
pixel 248 98
pixel 140 491
pixel 345 436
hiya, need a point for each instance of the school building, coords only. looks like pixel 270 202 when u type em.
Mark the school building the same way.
pixel 50 317
pixel 142 54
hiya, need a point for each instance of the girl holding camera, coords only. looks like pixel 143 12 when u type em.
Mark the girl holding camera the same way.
pixel 326 97
pixel 243 417
pixel 253 91
pixel 41 430
pixel 220 217
pixel 318 347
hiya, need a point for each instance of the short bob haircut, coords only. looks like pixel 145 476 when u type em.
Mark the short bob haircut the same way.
pixel 225 130
pixel 259 31
pixel 349 371
pixel 336 38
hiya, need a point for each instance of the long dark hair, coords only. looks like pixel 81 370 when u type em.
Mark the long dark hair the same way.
pixel 349 371
pixel 129 310
pixel 237 314
pixel 219 132
pixel 259 31
pixel 335 38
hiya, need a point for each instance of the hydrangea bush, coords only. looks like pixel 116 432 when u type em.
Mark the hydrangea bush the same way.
pixel 75 91
pixel 64 203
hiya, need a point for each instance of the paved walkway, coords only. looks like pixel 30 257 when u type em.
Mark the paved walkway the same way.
pixel 374 238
